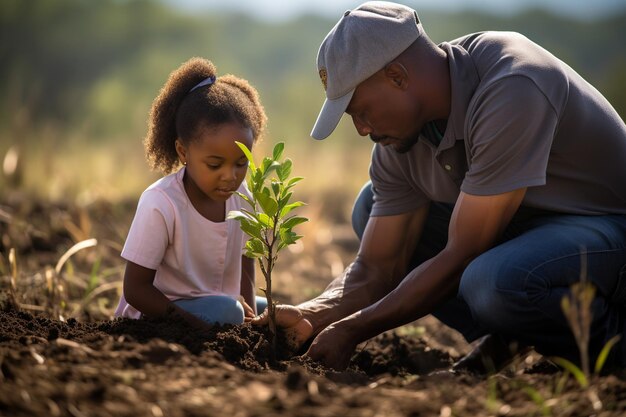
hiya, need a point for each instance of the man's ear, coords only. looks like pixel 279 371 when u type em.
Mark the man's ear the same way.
pixel 397 74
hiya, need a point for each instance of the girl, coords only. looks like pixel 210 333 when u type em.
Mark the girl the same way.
pixel 183 257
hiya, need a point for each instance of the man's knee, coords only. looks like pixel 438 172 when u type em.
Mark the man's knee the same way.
pixel 490 289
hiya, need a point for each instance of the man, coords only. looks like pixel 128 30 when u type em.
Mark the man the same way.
pixel 498 179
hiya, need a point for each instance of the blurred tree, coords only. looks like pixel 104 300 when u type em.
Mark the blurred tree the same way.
pixel 55 51
pixel 99 63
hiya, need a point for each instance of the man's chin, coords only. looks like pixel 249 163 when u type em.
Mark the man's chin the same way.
pixel 405 146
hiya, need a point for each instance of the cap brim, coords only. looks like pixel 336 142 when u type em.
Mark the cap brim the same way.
pixel 329 116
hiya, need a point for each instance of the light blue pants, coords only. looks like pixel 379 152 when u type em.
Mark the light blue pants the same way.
pixel 218 309
pixel 514 290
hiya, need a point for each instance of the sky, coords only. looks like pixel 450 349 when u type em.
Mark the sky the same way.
pixel 277 10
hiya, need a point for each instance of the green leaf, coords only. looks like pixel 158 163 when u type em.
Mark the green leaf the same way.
pixel 248 223
pixel 266 220
pixel 284 200
pixel 251 228
pixel 285 210
pixel 248 155
pixel 278 151
pixel 290 184
pixel 272 168
pixel 257 181
pixel 293 181
pixel 237 215
pixel 292 222
pixel 572 369
pixel 245 198
pixel 284 170
pixel 288 236
pixel 256 247
pixel 251 214
pixel 265 164
pixel 276 187
pixel 267 202
pixel 605 353
pixel 268 167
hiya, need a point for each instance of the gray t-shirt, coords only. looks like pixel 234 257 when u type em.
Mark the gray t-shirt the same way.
pixel 519 117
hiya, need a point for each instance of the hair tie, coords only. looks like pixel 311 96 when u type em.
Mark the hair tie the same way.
pixel 207 81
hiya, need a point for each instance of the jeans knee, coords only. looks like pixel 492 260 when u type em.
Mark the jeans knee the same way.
pixel 490 305
pixel 214 309
pixel 233 314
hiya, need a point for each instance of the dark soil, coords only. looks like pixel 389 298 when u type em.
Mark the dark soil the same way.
pixel 158 368
pixel 87 365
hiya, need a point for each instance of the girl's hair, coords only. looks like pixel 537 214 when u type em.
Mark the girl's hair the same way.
pixel 178 113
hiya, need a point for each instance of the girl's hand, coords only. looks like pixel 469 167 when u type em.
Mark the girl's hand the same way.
pixel 248 312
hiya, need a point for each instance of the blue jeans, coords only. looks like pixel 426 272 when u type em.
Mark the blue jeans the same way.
pixel 219 309
pixel 514 290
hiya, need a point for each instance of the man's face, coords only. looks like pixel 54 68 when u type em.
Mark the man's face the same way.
pixel 388 114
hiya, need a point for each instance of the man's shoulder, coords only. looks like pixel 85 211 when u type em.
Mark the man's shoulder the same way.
pixel 491 38
pixel 508 53
pixel 510 57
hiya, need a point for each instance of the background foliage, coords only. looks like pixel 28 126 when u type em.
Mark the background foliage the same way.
pixel 77 78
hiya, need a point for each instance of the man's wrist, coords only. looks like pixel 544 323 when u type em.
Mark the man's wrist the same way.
pixel 352 328
pixel 312 312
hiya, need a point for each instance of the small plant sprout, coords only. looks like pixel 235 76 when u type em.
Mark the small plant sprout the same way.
pixel 577 309
pixel 269 222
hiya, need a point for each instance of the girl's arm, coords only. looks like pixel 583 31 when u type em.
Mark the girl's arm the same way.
pixel 248 290
pixel 140 293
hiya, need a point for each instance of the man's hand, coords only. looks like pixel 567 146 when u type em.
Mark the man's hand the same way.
pixel 297 328
pixel 333 347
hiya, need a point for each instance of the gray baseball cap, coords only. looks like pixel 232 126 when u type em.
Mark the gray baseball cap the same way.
pixel 361 43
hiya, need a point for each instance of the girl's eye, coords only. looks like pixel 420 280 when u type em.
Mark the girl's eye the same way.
pixel 242 164
pixel 213 166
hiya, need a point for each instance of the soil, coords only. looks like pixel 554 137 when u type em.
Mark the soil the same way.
pixel 73 360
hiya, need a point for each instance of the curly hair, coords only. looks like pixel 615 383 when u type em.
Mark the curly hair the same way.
pixel 178 113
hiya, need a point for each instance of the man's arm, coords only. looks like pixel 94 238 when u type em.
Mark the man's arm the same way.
pixel 476 224
pixel 382 261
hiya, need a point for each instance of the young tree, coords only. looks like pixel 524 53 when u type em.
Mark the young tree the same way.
pixel 269 222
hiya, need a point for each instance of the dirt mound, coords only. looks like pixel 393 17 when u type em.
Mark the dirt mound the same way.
pixel 163 368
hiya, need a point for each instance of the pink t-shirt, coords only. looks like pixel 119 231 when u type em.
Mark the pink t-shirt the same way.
pixel 193 256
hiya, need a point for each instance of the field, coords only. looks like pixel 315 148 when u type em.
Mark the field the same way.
pixel 61 354
pixel 73 111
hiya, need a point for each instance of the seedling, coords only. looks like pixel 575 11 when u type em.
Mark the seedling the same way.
pixel 268 222
pixel 577 310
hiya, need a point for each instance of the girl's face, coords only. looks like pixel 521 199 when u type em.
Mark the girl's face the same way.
pixel 215 164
